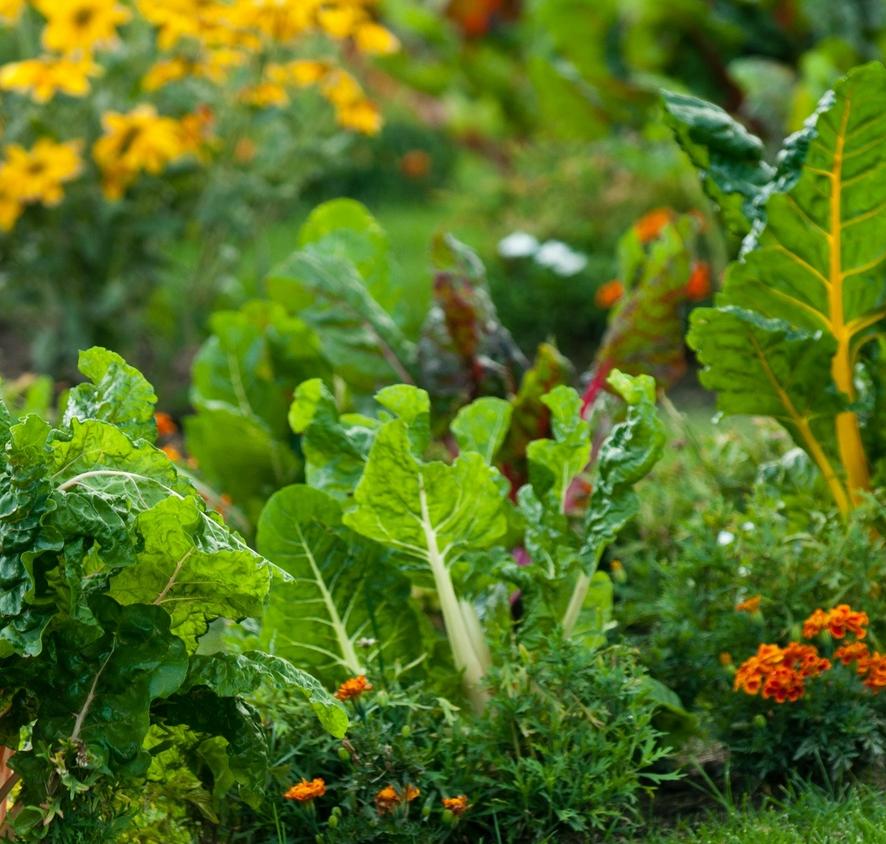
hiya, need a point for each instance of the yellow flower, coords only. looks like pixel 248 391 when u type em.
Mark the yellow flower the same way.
pixel 376 40
pixel 265 94
pixel 165 71
pixel 37 174
pixel 10 205
pixel 341 89
pixel 10 12
pixel 83 25
pixel 362 116
pixel 138 141
pixel 42 78
pixel 340 21
pixel 304 72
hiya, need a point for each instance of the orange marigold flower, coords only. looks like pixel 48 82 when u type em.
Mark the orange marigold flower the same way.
pixel 725 659
pixel 853 652
pixel 699 285
pixel 165 425
pixel 783 684
pixel 751 604
pixel 608 294
pixel 804 659
pixel 815 624
pixel 353 688
pixel 649 226
pixel 411 793
pixel 457 805
pixel 387 800
pixel 306 790
pixel 843 619
pixel 172 453
pixel 875 667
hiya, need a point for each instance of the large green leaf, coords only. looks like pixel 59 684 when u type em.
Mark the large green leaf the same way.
pixel 345 227
pixel 189 566
pixel 118 394
pixel 236 675
pixel 434 513
pixel 426 509
pixel 812 285
pixel 346 610
pixel 357 335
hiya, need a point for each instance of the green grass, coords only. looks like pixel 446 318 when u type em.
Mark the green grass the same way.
pixel 803 816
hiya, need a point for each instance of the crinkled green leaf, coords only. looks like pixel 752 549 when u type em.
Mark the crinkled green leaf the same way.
pixel 98 694
pixel 729 157
pixel 234 675
pixel 555 463
pixel 192 568
pixel 425 508
pixel 357 335
pixel 346 610
pixel 626 457
pixel 119 394
pixel 482 426
pixel 335 447
pixel 413 406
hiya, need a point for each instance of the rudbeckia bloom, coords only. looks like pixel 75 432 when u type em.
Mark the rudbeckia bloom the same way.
pixel 42 78
pixel 37 174
pixel 83 25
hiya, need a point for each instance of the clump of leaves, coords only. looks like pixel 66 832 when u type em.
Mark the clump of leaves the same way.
pixel 113 569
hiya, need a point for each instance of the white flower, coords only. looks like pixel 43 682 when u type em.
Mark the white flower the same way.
pixel 518 245
pixel 725 537
pixel 557 256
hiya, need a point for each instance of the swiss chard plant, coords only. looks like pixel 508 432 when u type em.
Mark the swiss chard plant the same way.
pixel 386 508
pixel 799 330
pixel 112 569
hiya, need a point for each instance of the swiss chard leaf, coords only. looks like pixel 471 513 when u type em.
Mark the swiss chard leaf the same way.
pixel 118 394
pixel 729 158
pixel 626 457
pixel 335 447
pixel 235 675
pixel 482 426
pixel 346 610
pixel 357 335
pixel 812 285
pixel 189 565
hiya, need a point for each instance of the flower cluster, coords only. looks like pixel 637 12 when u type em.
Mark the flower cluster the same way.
pixel 781 673
pixel 248 45
pixel 838 621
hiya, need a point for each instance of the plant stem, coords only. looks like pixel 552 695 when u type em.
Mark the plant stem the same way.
pixel 462 632
pixel 576 602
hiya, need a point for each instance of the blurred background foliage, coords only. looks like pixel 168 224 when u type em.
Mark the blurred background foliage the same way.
pixel 538 117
